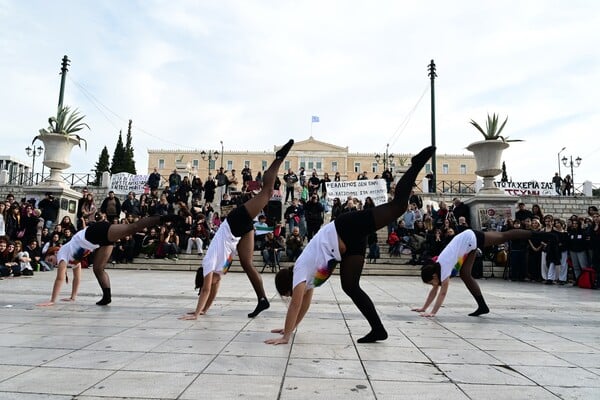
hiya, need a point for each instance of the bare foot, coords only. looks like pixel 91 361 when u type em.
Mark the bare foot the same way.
pixel 68 299
pixel 47 304
pixel 188 317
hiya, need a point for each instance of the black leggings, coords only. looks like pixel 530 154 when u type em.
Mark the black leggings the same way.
pixel 353 229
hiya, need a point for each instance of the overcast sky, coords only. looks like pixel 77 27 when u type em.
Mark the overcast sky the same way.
pixel 252 73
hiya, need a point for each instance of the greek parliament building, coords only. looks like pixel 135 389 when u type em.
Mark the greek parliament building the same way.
pixel 310 154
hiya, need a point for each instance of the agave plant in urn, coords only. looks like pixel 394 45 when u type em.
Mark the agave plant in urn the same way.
pixel 59 139
pixel 488 152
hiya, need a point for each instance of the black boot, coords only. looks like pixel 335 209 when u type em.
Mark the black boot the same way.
pixel 106 297
pixel 482 307
pixel 284 150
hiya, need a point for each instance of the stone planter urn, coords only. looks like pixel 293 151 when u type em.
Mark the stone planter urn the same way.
pixel 488 157
pixel 57 151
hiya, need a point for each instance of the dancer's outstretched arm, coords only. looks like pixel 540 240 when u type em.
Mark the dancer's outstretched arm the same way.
pixel 297 309
pixel 441 296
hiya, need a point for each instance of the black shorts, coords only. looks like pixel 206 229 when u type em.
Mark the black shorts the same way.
pixel 353 228
pixel 97 233
pixel 480 237
pixel 240 221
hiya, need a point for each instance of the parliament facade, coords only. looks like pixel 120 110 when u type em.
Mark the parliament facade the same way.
pixel 310 154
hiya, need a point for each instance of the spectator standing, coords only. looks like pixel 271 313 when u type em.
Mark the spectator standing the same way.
pixel 567 185
pixel 131 205
pixel 557 181
pixel 460 209
pixel 313 211
pixel 209 190
pixel 174 181
pixel 522 213
pixel 232 182
pixel 88 212
pixel 2 219
pixel 49 207
pixel 221 180
pixel 111 206
pixel 577 246
pixel 153 180
pixel 290 179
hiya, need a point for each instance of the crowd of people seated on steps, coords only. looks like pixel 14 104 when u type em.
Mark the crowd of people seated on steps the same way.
pixel 423 231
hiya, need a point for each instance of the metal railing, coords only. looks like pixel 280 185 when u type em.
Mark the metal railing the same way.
pixel 73 179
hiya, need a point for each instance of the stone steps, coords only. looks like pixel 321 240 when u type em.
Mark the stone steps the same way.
pixel 386 265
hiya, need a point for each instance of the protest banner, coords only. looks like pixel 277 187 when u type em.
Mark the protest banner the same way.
pixel 123 183
pixel 374 188
pixel 531 188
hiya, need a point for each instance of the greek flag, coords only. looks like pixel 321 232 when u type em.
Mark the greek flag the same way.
pixel 315 118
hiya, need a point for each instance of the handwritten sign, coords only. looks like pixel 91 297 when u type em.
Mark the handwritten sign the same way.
pixel 374 188
pixel 531 188
pixel 123 183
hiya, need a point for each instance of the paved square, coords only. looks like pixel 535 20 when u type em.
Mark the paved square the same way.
pixel 538 342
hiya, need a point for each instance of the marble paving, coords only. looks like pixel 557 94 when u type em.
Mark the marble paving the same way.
pixel 538 342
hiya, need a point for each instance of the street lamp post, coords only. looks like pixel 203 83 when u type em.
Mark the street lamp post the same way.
pixel 222 154
pixel 563 149
pixel 387 158
pixel 568 162
pixel 211 156
pixel 35 152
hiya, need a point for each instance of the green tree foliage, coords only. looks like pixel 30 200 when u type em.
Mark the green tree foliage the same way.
pixel 102 165
pixel 119 157
pixel 129 159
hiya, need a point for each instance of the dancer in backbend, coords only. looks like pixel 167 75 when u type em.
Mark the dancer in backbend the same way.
pixel 236 234
pixel 458 257
pixel 344 240
pixel 99 237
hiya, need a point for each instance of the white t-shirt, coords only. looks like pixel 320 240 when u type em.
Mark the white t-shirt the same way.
pixel 75 249
pixel 318 259
pixel 453 256
pixel 220 253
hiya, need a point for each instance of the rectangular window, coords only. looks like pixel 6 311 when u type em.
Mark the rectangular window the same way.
pixel 445 169
pixel 374 167
pixel 427 168
pixel 463 169
pixel 247 163
pixel 286 165
pixel 229 165
pixel 211 165
pixel 357 167
pixel 161 164
pixel 334 167
pixel 310 163
pixel 195 164
pixel 263 164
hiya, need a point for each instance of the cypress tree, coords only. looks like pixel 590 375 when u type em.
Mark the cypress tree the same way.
pixel 118 161
pixel 102 165
pixel 130 161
